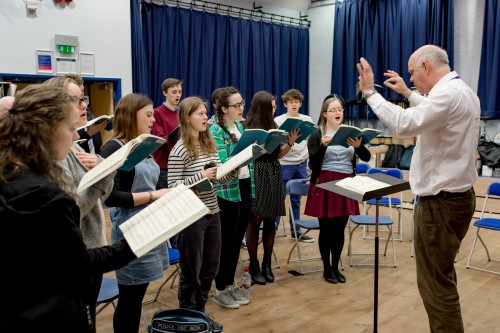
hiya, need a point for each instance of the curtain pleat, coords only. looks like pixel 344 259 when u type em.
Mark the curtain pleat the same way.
pixel 208 50
pixel 489 72
pixel 386 33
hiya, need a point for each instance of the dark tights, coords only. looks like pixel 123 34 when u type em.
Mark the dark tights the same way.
pixel 331 240
pixel 252 237
pixel 127 317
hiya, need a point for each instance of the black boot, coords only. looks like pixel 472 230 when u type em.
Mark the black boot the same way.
pixel 340 277
pixel 257 277
pixel 267 271
pixel 329 275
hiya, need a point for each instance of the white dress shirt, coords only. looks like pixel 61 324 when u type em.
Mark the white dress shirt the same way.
pixel 446 123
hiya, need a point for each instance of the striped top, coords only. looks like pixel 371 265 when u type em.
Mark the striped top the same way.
pixel 183 171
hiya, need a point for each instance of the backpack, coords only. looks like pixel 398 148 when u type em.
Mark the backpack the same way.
pixel 179 321
pixel 393 155
pixel 489 152
pixel 405 159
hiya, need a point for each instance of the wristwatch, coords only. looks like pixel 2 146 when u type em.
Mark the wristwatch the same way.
pixel 370 93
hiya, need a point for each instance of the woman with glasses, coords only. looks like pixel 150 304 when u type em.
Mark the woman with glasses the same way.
pixel 234 197
pixel 328 163
pixel 76 164
pixel 269 199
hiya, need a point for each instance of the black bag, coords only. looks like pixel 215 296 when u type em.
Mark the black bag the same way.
pixel 489 152
pixel 392 156
pixel 179 321
pixel 405 160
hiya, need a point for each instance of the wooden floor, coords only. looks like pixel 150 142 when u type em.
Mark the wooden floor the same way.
pixel 309 304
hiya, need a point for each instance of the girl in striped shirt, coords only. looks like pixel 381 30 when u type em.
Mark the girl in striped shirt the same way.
pixel 199 244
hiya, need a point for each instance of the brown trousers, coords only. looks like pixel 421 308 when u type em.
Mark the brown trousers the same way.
pixel 441 222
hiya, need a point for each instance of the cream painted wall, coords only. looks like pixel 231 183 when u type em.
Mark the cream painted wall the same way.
pixel 102 27
pixel 468 39
pixel 320 57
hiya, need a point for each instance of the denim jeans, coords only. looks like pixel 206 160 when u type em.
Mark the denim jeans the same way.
pixel 441 222
pixel 294 171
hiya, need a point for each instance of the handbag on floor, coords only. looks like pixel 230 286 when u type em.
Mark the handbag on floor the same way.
pixel 179 321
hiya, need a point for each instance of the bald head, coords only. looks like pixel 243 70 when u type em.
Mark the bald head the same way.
pixel 432 54
pixel 427 66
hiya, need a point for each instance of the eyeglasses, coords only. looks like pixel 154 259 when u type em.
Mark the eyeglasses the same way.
pixel 335 110
pixel 239 105
pixel 84 99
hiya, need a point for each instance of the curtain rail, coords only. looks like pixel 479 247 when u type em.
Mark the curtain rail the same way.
pixel 253 14
pixel 323 3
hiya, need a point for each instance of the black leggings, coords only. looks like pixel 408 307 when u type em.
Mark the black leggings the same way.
pixel 268 234
pixel 331 240
pixel 127 317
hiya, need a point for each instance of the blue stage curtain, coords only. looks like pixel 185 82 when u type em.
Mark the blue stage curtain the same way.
pixel 208 50
pixel 140 81
pixel 386 33
pixel 489 73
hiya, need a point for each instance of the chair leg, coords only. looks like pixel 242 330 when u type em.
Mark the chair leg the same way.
pixel 349 251
pixel 390 238
pixel 277 264
pixel 490 259
pixel 172 276
pixel 296 245
pixel 282 222
pixel 393 248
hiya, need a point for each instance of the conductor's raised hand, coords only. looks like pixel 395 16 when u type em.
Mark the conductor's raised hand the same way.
pixel 396 83
pixel 365 72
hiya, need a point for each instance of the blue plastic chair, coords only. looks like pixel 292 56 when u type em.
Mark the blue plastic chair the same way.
pixel 173 257
pixel 396 203
pixel 366 221
pixel 300 187
pixel 107 294
pixel 487 223
pixel 362 168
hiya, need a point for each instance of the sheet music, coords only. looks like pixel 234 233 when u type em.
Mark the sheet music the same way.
pixel 162 219
pixel 101 170
pixel 361 184
pixel 235 161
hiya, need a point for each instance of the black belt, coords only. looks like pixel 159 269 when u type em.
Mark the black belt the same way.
pixel 449 195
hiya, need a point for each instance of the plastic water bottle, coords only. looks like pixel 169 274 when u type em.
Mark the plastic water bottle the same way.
pixel 246 281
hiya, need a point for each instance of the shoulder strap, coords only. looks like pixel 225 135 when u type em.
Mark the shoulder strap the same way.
pixel 119 141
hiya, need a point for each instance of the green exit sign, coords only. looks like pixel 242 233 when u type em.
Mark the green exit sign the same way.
pixel 66 49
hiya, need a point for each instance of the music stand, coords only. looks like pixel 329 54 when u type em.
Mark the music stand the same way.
pixel 395 185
